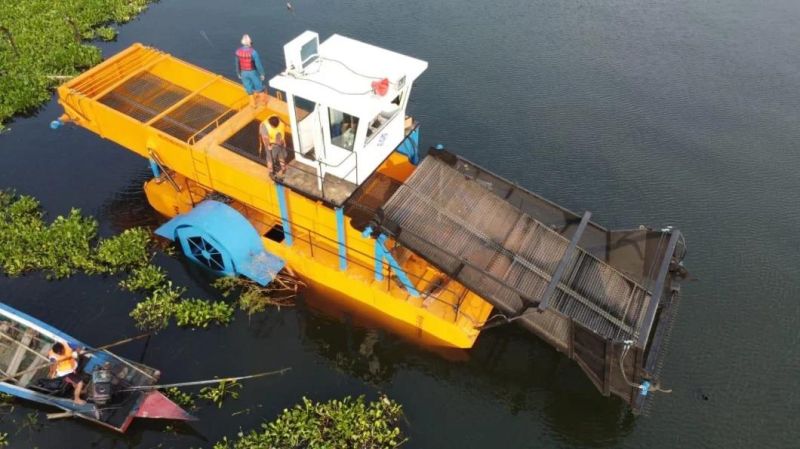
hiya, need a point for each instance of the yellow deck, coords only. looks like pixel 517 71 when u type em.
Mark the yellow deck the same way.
pixel 183 121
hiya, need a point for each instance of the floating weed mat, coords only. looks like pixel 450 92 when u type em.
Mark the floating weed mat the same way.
pixel 335 424
pixel 70 245
pixel 66 245
pixel 42 43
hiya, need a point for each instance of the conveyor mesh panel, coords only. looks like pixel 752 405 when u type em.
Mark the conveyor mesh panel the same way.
pixel 198 113
pixel 144 96
pixel 507 256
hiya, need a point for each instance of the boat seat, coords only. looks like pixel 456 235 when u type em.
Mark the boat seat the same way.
pixel 40 360
pixel 22 347
pixel 5 340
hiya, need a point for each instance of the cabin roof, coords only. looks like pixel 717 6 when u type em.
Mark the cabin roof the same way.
pixel 342 76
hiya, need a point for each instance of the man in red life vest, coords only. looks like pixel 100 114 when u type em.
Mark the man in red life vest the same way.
pixel 251 72
pixel 64 364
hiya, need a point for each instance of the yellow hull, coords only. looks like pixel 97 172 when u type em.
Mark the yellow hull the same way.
pixel 199 164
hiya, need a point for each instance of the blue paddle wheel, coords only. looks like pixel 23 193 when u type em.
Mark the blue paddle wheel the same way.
pixel 218 238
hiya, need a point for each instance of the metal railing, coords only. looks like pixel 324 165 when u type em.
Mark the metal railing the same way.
pixel 215 123
pixel 330 246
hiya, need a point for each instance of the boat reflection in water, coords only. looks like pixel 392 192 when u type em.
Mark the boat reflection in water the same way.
pixel 524 376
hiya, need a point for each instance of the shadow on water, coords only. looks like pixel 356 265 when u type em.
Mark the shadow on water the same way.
pixel 169 430
pixel 507 365
pixel 128 207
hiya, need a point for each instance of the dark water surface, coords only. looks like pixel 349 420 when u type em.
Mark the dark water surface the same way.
pixel 642 111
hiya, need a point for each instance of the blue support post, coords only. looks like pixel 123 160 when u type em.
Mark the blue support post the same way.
pixel 154 168
pixel 401 275
pixel 367 232
pixel 341 234
pixel 410 147
pixel 287 227
pixel 379 257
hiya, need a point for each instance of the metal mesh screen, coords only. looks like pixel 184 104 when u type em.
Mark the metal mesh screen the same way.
pixel 144 96
pixel 507 256
pixel 194 115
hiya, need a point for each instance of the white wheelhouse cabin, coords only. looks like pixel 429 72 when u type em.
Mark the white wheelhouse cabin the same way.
pixel 341 126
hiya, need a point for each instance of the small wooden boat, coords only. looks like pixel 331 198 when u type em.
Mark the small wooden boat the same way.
pixel 24 346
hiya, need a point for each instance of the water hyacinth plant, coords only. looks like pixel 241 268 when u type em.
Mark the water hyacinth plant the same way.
pixel 27 243
pixel 336 424
pixel 201 313
pixel 222 391
pixel 68 245
pixel 144 278
pixel 153 314
pixel 180 397
pixel 128 250
pixel 30 65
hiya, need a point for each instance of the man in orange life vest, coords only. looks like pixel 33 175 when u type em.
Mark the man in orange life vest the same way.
pixel 64 364
pixel 273 137
pixel 251 72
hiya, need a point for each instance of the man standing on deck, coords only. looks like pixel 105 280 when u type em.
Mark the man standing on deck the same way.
pixel 251 72
pixel 273 136
pixel 64 365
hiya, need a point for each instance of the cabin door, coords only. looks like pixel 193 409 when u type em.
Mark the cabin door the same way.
pixel 307 125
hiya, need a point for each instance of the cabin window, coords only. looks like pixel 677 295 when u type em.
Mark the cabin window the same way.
pixel 385 116
pixel 343 129
pixel 302 107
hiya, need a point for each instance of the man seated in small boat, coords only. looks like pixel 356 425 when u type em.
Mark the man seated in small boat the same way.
pixel 64 365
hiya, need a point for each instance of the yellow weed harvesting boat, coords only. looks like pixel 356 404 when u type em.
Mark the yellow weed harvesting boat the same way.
pixel 436 249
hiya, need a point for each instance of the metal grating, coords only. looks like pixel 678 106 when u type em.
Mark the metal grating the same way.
pixel 144 96
pixel 507 256
pixel 194 115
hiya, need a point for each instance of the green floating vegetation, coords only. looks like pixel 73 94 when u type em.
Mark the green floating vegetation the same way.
pixel 63 247
pixel 164 303
pixel 125 251
pixel 223 391
pixel 201 313
pixel 154 313
pixel 43 41
pixel 144 278
pixel 349 423
pixel 67 246
pixel 180 397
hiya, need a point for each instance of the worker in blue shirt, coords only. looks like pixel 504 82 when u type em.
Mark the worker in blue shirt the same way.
pixel 251 72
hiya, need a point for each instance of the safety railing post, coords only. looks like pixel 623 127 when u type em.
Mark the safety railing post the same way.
pixel 340 232
pixel 287 229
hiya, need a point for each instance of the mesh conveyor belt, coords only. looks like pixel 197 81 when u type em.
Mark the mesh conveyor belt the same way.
pixel 146 95
pixel 505 255
pixel 191 117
